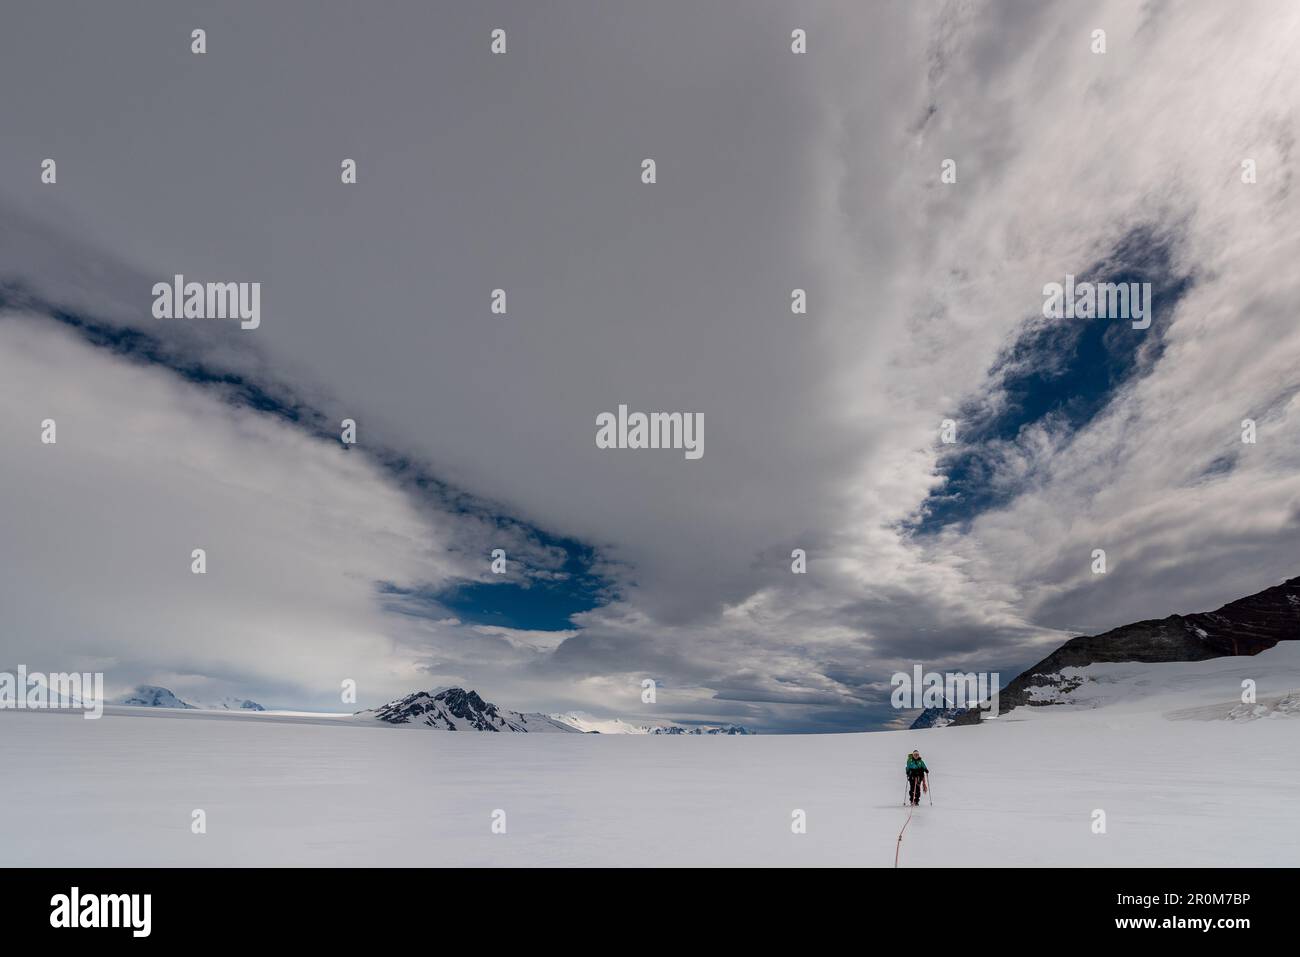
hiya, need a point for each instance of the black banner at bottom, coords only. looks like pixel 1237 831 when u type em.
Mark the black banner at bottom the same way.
pixel 247 907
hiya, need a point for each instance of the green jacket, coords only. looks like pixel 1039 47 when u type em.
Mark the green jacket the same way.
pixel 916 766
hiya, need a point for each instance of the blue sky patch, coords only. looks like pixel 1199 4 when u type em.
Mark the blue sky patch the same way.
pixel 1058 373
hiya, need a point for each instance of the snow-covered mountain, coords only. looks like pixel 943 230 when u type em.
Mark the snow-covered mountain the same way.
pixel 455 709
pixel 151 696
pixel 1091 670
pixel 584 722
pixel 936 718
pixel 702 729
pixel 231 704
pixel 581 721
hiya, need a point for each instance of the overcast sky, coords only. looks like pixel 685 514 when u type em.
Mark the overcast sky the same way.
pixel 522 171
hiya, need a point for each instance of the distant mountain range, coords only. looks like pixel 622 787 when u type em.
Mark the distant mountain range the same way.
pixel 616 726
pixel 1246 626
pixel 701 729
pixel 152 696
pixel 455 709
pixel 1243 627
pixel 447 709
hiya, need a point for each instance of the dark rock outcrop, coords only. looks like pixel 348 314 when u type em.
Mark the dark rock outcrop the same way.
pixel 1246 626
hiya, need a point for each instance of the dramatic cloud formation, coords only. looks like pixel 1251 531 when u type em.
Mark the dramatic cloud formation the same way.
pixel 818 171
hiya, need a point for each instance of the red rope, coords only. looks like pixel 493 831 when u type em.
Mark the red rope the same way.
pixel 899 846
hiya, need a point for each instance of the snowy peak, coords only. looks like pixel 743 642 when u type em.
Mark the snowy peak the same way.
pixel 233 704
pixel 455 709
pixel 936 718
pixel 581 721
pixel 152 696
pixel 586 723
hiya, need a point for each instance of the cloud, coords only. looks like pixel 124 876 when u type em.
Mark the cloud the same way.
pixel 147 466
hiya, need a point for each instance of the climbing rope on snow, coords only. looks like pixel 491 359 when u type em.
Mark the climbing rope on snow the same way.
pixel 899 846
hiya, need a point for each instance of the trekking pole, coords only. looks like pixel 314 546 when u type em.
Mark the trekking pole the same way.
pixel 929 788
